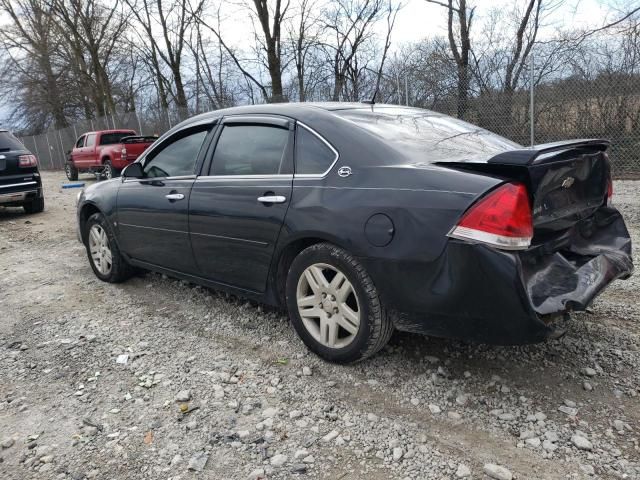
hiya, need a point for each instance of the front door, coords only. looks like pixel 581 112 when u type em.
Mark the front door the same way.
pixel 237 210
pixel 153 224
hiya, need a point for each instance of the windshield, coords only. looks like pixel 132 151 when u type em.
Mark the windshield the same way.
pixel 111 138
pixel 435 137
pixel 9 142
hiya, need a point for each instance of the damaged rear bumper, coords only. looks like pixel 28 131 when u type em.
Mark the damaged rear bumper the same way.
pixel 476 293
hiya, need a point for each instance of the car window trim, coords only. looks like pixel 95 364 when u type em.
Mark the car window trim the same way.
pixel 270 120
pixel 211 124
pixel 326 142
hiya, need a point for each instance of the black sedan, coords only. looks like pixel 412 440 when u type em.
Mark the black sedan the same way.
pixel 360 219
pixel 20 183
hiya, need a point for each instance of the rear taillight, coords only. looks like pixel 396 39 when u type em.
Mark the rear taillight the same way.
pixel 501 219
pixel 26 161
pixel 609 191
pixel 123 154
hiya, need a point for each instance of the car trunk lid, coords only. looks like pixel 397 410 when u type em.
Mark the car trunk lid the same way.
pixel 567 181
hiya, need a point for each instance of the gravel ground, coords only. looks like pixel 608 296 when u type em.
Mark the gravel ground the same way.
pixel 156 378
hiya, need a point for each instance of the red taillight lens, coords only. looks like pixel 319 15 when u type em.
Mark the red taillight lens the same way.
pixel 609 191
pixel 123 154
pixel 25 161
pixel 502 219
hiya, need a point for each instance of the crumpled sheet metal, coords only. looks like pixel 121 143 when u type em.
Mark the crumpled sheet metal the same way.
pixel 595 254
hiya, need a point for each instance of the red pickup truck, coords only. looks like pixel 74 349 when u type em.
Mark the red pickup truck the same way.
pixel 105 152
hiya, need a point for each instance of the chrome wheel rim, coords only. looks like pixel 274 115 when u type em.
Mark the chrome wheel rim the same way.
pixel 328 305
pixel 67 170
pixel 107 172
pixel 99 248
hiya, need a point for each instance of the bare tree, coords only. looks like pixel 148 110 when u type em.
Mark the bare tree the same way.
pixel 32 37
pixel 94 30
pixel 459 36
pixel 175 19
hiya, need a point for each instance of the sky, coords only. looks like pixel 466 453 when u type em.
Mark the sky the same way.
pixel 418 20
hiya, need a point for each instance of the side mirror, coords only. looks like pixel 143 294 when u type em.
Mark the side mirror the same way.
pixel 133 171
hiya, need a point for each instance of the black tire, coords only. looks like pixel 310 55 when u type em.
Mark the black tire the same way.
pixel 34 206
pixel 71 171
pixel 120 269
pixel 375 327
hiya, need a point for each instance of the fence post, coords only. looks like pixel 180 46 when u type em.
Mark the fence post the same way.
pixel 46 135
pixel 35 144
pixel 139 124
pixel 532 133
pixel 62 146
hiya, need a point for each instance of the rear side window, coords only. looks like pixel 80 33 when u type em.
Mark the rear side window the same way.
pixel 9 142
pixel 91 140
pixel 250 150
pixel 313 155
pixel 112 138
pixel 177 156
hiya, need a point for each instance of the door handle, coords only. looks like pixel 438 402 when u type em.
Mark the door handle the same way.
pixel 272 199
pixel 172 197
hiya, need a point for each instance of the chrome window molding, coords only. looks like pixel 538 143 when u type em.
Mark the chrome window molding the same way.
pixel 323 140
pixel 158 179
pixel 276 176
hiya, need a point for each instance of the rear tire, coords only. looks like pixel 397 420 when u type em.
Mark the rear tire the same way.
pixel 34 206
pixel 341 317
pixel 71 171
pixel 104 255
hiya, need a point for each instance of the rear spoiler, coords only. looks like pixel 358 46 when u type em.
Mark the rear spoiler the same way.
pixel 139 139
pixel 528 156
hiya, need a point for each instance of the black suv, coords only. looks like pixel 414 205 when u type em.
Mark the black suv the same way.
pixel 20 183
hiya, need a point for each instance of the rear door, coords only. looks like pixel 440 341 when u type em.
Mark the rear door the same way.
pixel 237 210
pixel 153 211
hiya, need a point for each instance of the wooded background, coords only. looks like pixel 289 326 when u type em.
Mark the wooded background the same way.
pixel 68 66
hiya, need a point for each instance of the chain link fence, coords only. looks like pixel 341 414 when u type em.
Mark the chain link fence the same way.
pixel 605 107
pixel 52 147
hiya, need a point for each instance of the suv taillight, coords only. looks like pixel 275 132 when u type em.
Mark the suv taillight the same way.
pixel 501 219
pixel 123 154
pixel 26 161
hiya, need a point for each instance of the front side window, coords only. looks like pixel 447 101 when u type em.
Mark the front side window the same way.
pixel 177 156
pixel 91 140
pixel 313 155
pixel 80 142
pixel 250 150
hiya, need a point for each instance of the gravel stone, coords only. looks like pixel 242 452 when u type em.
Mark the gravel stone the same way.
pixel 496 471
pixel 582 443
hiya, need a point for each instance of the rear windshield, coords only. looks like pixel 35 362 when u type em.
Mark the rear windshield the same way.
pixel 111 138
pixel 9 142
pixel 430 135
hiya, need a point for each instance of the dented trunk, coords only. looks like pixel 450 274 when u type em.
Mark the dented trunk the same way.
pixel 580 242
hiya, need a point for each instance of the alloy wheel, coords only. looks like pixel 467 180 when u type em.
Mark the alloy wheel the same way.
pixel 108 172
pixel 328 305
pixel 100 250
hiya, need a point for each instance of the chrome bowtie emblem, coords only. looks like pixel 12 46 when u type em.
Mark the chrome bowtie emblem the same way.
pixel 568 182
pixel 344 171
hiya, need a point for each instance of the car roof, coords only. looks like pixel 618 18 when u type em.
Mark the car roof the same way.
pixel 300 110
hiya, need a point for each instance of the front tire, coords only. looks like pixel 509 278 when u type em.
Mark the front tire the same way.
pixel 104 255
pixel 108 171
pixel 334 305
pixel 71 171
